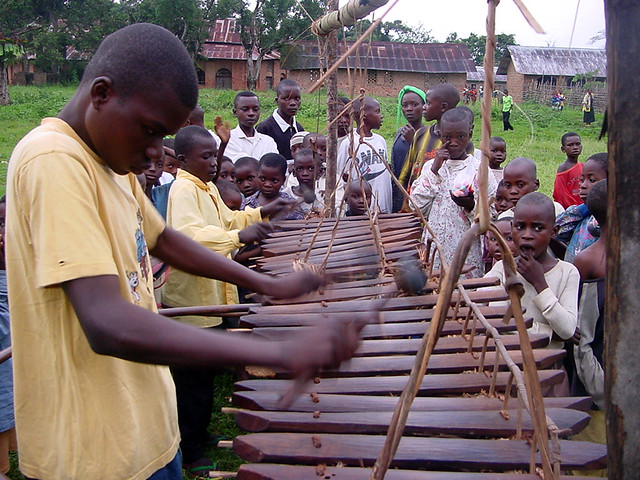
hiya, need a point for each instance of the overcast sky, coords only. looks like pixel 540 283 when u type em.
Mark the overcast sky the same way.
pixel 465 16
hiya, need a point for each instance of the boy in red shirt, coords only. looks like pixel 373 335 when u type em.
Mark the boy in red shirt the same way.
pixel 566 188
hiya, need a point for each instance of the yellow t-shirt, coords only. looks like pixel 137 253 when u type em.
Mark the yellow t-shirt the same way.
pixel 80 415
pixel 196 209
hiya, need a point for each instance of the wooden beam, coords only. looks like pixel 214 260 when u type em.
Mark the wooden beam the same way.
pixel 622 355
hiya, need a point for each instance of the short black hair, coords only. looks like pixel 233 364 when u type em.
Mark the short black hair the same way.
pixel 142 59
pixel 497 140
pixel 244 94
pixel 457 114
pixel 169 143
pixel 303 152
pixel 247 161
pixel 196 117
pixel 227 185
pixel 185 136
pixel 597 201
pixel 286 83
pixel 306 141
pixel 500 184
pixel 528 163
pixel 469 113
pixel 563 140
pixel 362 103
pixel 274 160
pixel 226 159
pixel 602 159
pixel 447 93
pixel 360 183
pixel 539 200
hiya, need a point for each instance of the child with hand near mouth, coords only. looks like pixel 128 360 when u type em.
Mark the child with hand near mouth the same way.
pixel 550 285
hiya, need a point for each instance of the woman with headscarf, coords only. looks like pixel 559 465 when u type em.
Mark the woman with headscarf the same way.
pixel 587 108
pixel 410 103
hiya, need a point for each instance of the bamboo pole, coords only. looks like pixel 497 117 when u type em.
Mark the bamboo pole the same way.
pixel 351 49
pixel 346 16
pixel 332 114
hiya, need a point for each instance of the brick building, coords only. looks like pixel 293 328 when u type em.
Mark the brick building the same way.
pixel 226 60
pixel 530 69
pixel 477 78
pixel 383 68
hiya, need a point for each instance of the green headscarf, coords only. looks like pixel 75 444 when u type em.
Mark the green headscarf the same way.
pixel 405 89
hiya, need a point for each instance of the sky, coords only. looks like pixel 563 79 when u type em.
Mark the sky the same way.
pixel 466 16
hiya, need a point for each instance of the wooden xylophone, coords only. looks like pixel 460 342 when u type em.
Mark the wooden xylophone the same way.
pixel 468 416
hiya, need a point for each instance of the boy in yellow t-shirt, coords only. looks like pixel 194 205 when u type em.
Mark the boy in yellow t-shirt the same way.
pixel 93 399
pixel 197 210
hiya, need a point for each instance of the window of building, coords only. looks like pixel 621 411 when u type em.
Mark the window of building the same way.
pixel 388 78
pixel 223 79
pixel 372 77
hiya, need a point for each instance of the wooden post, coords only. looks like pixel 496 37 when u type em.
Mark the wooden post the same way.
pixel 332 113
pixel 622 352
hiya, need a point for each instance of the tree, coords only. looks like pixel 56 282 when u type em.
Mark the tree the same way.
pixel 272 24
pixel 184 18
pixel 17 20
pixel 394 31
pixel 477 43
pixel 9 54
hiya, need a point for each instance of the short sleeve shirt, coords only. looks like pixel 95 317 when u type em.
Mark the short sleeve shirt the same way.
pixel 69 216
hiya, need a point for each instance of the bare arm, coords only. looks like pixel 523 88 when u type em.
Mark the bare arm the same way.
pixel 183 253
pixel 116 327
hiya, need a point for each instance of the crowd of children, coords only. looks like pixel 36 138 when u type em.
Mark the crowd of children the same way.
pixel 217 192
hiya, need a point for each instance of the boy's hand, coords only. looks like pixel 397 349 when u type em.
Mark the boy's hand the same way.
pixel 465 201
pixel 222 129
pixel 254 233
pixel 573 340
pixel 532 271
pixel 315 349
pixel 278 206
pixel 442 155
pixel 408 132
pixel 293 285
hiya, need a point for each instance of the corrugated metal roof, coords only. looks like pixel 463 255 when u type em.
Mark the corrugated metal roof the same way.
pixel 231 52
pixel 224 43
pixel 554 61
pixel 389 56
pixel 478 76
pixel 224 31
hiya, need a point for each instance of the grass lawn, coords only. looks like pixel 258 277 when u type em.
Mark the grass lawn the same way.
pixel 537 135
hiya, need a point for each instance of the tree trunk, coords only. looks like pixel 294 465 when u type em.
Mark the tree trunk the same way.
pixel 5 98
pixel 622 355
pixel 332 113
pixel 253 71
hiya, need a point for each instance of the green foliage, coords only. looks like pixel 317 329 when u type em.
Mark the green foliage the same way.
pixel 395 31
pixel 185 18
pixel 272 24
pixel 477 43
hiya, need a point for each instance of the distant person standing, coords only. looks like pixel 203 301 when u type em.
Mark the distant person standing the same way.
pixel 588 116
pixel 507 106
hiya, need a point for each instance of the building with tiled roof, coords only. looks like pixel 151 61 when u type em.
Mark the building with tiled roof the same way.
pixel 383 68
pixel 531 68
pixel 226 60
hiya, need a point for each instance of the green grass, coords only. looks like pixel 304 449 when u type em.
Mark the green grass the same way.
pixel 31 104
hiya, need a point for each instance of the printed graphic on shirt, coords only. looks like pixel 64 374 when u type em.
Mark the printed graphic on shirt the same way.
pixel 132 278
pixel 366 158
pixel 141 249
